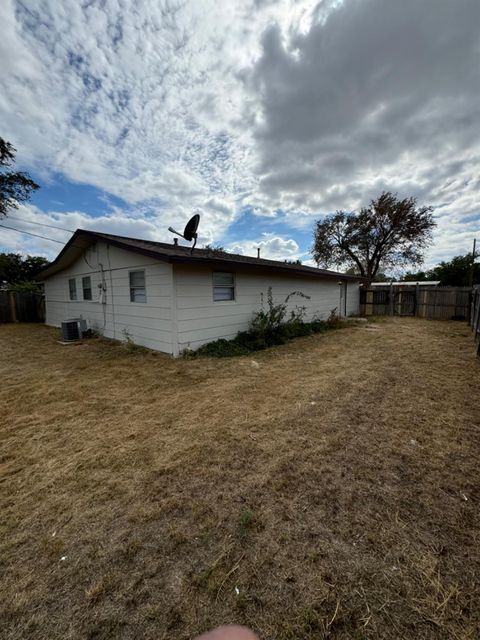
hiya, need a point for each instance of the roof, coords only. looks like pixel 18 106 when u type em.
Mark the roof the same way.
pixel 82 239
pixel 407 283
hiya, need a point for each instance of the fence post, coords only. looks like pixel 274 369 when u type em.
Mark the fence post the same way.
pixel 390 301
pixel 13 306
pixel 417 300
pixel 368 302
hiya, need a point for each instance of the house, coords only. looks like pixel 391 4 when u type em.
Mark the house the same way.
pixel 165 297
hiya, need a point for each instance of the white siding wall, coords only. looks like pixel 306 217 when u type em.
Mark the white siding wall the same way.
pixel 149 324
pixel 180 312
pixel 201 320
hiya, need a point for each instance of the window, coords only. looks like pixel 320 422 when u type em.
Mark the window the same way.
pixel 72 289
pixel 223 286
pixel 87 288
pixel 137 286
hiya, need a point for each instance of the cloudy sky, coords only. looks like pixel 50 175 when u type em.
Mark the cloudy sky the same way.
pixel 261 115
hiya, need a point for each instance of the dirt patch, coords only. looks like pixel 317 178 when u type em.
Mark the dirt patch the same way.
pixel 330 490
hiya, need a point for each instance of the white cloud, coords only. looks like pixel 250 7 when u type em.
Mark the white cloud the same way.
pixel 294 108
pixel 271 246
pixel 374 95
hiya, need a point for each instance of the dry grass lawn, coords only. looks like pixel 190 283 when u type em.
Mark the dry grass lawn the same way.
pixel 327 489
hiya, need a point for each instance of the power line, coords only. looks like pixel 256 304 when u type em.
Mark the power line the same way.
pixel 29 233
pixel 77 246
pixel 37 235
pixel 41 224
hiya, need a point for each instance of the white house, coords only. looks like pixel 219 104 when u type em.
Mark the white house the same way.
pixel 166 298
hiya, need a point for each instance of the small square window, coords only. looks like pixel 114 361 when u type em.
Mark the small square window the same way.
pixel 87 288
pixel 138 291
pixel 72 289
pixel 223 286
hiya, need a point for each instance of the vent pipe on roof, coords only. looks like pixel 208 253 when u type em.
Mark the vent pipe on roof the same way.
pixel 258 252
pixel 175 242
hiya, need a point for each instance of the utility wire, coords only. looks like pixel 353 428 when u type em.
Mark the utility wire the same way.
pixel 40 224
pixel 77 246
pixel 29 233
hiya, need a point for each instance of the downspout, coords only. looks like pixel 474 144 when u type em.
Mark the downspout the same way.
pixel 174 312
pixel 111 289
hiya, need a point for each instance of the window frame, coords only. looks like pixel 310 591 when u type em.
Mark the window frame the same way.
pixel 233 287
pixel 74 291
pixel 133 288
pixel 84 288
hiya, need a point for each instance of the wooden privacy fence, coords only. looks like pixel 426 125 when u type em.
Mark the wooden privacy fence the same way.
pixel 475 316
pixel 439 303
pixel 21 306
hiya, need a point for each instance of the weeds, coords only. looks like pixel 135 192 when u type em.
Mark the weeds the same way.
pixel 247 521
pixel 129 345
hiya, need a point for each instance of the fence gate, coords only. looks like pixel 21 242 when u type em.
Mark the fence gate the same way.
pixel 405 303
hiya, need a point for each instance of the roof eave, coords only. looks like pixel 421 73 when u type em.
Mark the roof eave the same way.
pixel 82 239
pixel 287 269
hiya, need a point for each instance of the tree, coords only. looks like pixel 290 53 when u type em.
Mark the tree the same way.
pixel 388 233
pixel 15 186
pixel 456 272
pixel 453 273
pixel 215 249
pixel 15 269
pixel 417 276
pixel 380 276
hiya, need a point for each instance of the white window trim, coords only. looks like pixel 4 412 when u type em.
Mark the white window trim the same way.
pixel 234 287
pixel 144 287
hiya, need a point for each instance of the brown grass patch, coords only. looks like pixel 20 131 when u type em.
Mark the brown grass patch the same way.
pixel 330 492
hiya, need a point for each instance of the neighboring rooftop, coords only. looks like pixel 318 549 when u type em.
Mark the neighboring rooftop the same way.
pixel 173 253
pixel 407 283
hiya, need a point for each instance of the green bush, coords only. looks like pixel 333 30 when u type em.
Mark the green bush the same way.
pixel 25 287
pixel 268 328
pixel 247 342
pixel 268 321
pixel 250 341
pixel 220 349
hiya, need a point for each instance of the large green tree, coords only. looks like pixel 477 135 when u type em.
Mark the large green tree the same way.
pixel 389 233
pixel 451 273
pixel 15 186
pixel 16 269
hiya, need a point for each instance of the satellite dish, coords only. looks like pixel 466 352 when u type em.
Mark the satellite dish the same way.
pixel 190 231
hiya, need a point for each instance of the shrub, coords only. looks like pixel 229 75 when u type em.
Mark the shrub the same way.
pixel 268 328
pixel 220 349
pixel 333 319
pixel 266 322
pixel 250 341
pixel 25 287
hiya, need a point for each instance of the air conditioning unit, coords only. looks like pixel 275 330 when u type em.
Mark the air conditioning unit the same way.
pixel 73 329
pixel 70 330
pixel 82 323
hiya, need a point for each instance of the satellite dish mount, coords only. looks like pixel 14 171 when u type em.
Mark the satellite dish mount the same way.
pixel 190 231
